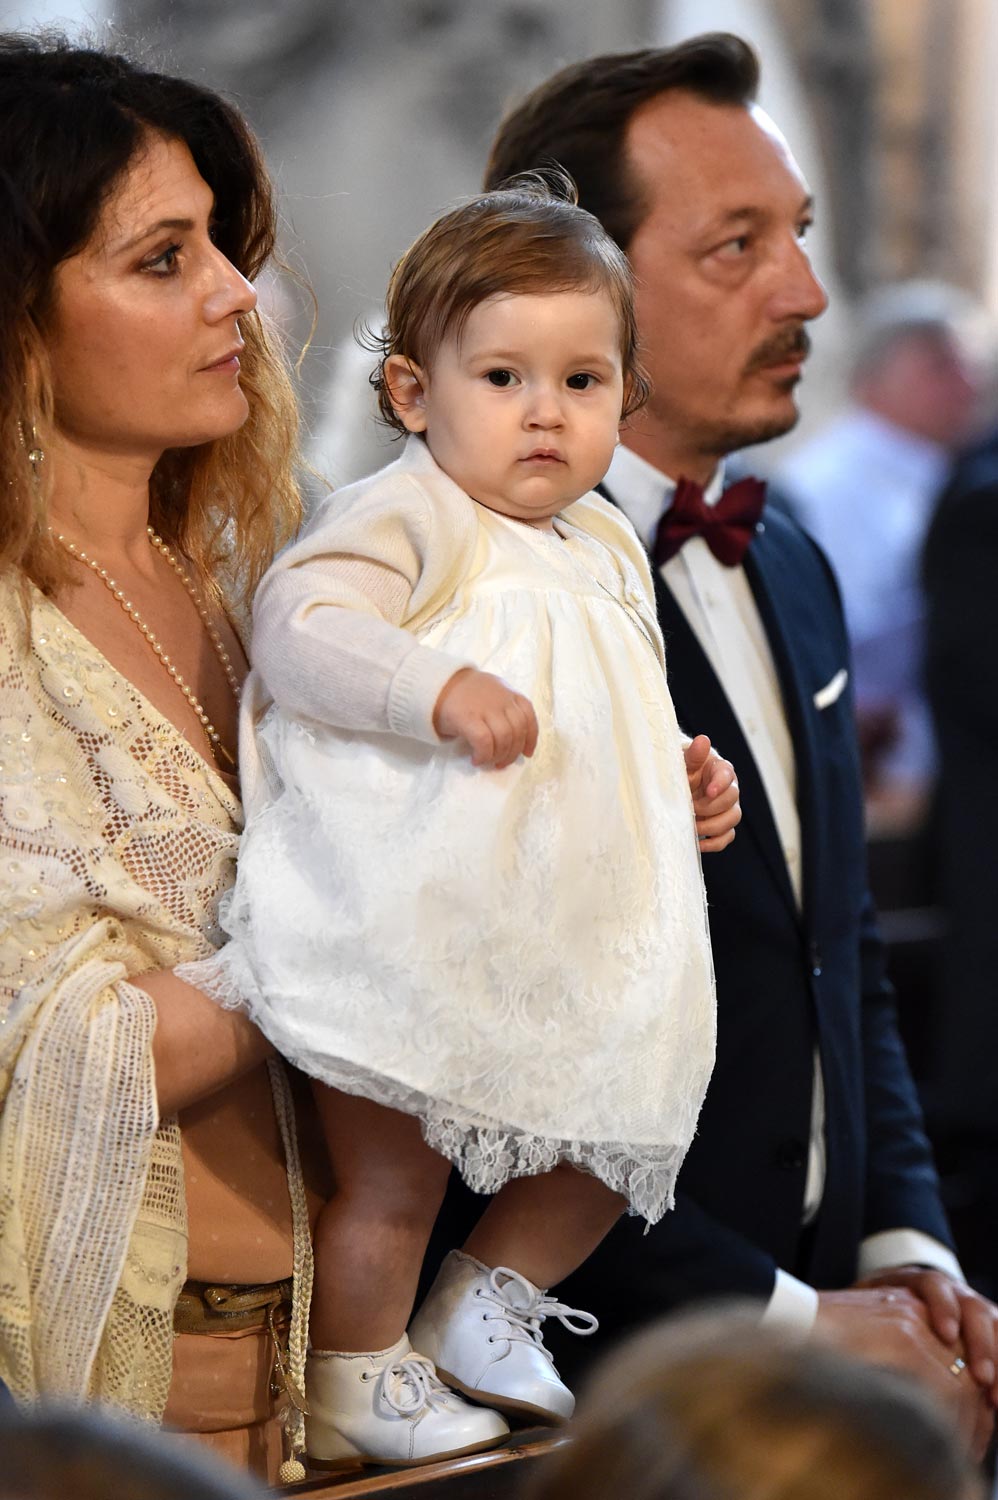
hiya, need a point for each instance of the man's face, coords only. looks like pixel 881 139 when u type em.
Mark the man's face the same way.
pixel 724 285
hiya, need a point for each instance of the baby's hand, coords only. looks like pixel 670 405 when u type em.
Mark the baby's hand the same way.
pixel 497 724
pixel 714 788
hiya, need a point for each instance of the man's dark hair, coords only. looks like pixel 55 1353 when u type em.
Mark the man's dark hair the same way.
pixel 578 118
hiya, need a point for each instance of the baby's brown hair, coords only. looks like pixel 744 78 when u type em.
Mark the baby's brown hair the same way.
pixel 529 236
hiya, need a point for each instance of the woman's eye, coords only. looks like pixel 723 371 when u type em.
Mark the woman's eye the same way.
pixel 581 382
pixel 501 378
pixel 165 264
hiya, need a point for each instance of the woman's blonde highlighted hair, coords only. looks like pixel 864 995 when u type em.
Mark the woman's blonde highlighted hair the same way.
pixel 72 121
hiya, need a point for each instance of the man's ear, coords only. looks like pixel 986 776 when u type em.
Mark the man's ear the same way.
pixel 406 385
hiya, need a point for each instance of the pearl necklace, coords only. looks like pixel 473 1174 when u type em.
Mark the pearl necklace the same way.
pixel 211 733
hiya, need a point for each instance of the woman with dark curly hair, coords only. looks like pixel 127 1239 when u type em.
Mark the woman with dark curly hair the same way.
pixel 147 445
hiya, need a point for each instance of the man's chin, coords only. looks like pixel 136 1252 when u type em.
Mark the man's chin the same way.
pixel 748 432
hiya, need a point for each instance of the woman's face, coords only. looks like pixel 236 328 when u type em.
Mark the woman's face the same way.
pixel 144 330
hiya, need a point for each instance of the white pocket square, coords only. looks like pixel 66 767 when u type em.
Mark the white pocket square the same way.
pixel 832 690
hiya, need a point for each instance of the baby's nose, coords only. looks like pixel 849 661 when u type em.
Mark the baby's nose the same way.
pixel 545 409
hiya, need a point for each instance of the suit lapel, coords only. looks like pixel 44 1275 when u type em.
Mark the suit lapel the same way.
pixel 773 595
pixel 703 707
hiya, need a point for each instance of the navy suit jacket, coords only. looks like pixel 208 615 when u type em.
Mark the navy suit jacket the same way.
pixel 788 979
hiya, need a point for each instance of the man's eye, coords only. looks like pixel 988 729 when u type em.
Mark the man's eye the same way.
pixel 500 377
pixel 581 382
pixel 802 229
pixel 732 249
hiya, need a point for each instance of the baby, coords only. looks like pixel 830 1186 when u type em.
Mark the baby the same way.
pixel 469 900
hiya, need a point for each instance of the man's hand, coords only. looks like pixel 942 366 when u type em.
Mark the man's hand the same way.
pixel 957 1315
pixel 714 788
pixel 496 723
pixel 890 1325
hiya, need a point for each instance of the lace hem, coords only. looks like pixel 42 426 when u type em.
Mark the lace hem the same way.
pixel 487 1153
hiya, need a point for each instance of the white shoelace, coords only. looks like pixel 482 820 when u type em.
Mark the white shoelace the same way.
pixel 410 1385
pixel 531 1306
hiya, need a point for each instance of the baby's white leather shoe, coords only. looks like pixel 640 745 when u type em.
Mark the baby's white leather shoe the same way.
pixel 482 1329
pixel 388 1407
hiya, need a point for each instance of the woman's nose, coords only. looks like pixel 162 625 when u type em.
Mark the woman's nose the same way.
pixel 230 294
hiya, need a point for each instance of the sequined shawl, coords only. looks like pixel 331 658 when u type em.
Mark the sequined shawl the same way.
pixel 116 841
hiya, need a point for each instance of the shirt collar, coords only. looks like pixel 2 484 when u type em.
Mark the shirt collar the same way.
pixel 644 493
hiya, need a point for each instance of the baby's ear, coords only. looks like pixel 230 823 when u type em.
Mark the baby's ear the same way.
pixel 406 386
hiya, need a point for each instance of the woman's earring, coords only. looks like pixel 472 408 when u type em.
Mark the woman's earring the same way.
pixel 36 453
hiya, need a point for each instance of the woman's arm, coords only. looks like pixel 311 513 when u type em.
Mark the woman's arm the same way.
pixel 197 1046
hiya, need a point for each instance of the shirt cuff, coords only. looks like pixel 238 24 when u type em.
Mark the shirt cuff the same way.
pixel 906 1247
pixel 415 688
pixel 793 1305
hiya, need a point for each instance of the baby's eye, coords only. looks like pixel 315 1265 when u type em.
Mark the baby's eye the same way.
pixel 501 378
pixel 583 381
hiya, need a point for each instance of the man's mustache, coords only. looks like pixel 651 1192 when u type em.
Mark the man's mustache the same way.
pixel 792 343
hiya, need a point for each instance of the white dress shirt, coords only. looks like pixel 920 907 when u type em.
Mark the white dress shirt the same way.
pixel 720 608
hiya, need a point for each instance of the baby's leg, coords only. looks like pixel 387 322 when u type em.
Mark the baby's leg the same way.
pixel 371 1236
pixel 545 1226
pixel 371 1397
pixel 481 1320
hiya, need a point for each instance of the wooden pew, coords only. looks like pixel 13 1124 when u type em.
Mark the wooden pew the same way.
pixel 498 1474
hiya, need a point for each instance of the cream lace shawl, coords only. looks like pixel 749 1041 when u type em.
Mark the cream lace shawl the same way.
pixel 116 841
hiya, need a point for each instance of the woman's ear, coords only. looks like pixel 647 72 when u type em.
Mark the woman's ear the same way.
pixel 406 386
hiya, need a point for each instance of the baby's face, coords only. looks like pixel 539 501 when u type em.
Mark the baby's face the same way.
pixel 523 410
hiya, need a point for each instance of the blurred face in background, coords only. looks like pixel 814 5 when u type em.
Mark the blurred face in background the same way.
pixel 926 383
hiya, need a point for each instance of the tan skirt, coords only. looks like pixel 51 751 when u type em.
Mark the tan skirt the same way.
pixel 220 1396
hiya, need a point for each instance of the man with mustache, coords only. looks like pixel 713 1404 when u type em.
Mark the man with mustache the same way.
pixel 811 1169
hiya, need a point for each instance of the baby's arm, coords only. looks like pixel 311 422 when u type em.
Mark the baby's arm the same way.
pixel 328 643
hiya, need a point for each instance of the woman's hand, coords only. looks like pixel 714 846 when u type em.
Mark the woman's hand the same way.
pixel 714 789
pixel 497 724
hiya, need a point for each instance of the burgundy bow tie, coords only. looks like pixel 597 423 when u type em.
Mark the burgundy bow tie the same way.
pixel 726 527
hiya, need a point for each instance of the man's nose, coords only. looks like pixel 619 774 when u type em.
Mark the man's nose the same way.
pixel 798 293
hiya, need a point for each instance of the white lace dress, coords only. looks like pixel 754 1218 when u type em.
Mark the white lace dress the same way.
pixel 518 957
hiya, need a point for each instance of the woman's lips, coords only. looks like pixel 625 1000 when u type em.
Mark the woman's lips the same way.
pixel 227 365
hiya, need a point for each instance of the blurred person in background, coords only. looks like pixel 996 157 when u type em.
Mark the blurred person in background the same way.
pixel 810 1182
pixel 713 1407
pixel 58 1454
pixel 960 571
pixel 864 486
pixel 153 1212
